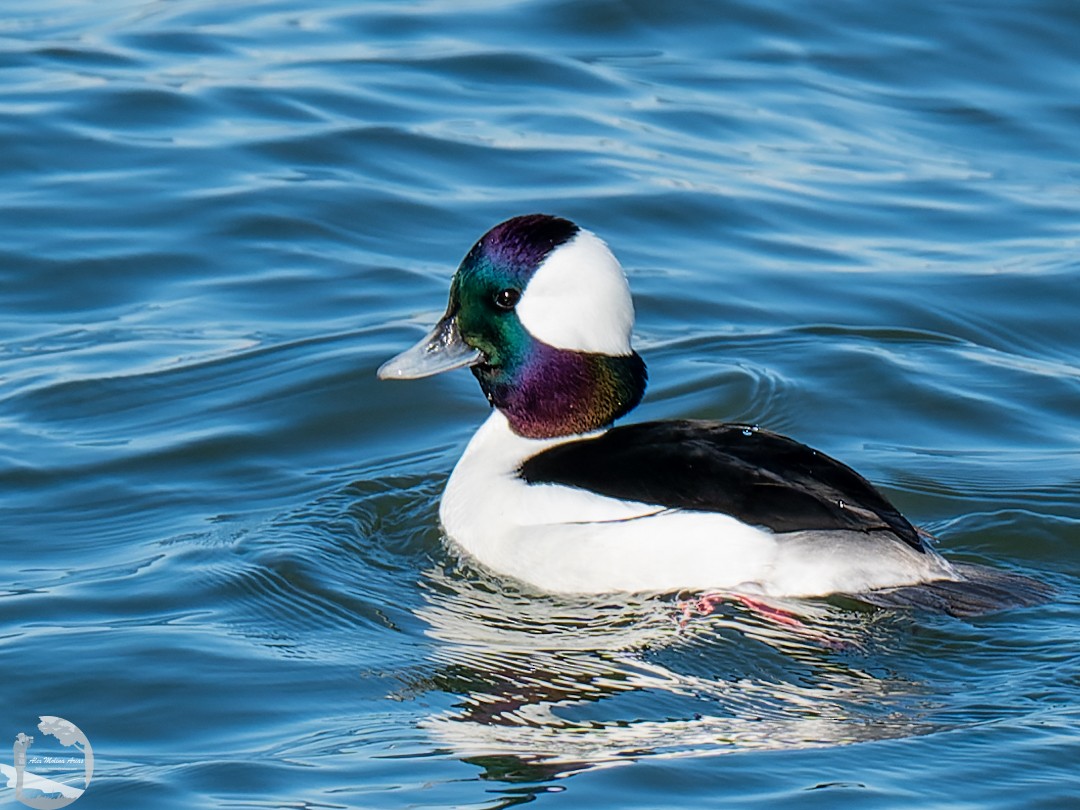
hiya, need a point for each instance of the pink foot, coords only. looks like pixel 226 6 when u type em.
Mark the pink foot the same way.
pixel 707 603
pixel 702 606
pixel 770 612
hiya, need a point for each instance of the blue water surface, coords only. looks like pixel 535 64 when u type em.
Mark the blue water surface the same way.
pixel 855 223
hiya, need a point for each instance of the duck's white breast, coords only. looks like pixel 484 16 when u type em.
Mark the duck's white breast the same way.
pixel 570 540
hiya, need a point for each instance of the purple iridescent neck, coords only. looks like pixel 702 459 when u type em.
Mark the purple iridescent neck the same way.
pixel 558 392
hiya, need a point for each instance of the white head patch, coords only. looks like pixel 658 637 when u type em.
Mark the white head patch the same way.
pixel 579 299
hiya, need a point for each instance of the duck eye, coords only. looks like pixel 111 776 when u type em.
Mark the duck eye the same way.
pixel 507 299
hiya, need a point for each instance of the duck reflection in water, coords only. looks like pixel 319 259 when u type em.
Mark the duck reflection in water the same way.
pixel 551 685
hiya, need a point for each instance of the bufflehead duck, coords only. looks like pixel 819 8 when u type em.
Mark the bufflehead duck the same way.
pixel 549 492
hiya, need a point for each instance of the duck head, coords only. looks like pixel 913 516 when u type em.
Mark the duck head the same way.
pixel 541 313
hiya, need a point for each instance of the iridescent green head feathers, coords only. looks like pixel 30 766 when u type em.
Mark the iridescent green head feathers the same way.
pixel 541 312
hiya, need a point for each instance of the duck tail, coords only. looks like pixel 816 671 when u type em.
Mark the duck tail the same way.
pixel 977 590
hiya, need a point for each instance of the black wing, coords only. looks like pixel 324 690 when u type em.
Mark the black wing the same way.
pixel 762 478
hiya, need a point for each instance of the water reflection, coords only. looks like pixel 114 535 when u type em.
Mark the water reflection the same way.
pixel 551 685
